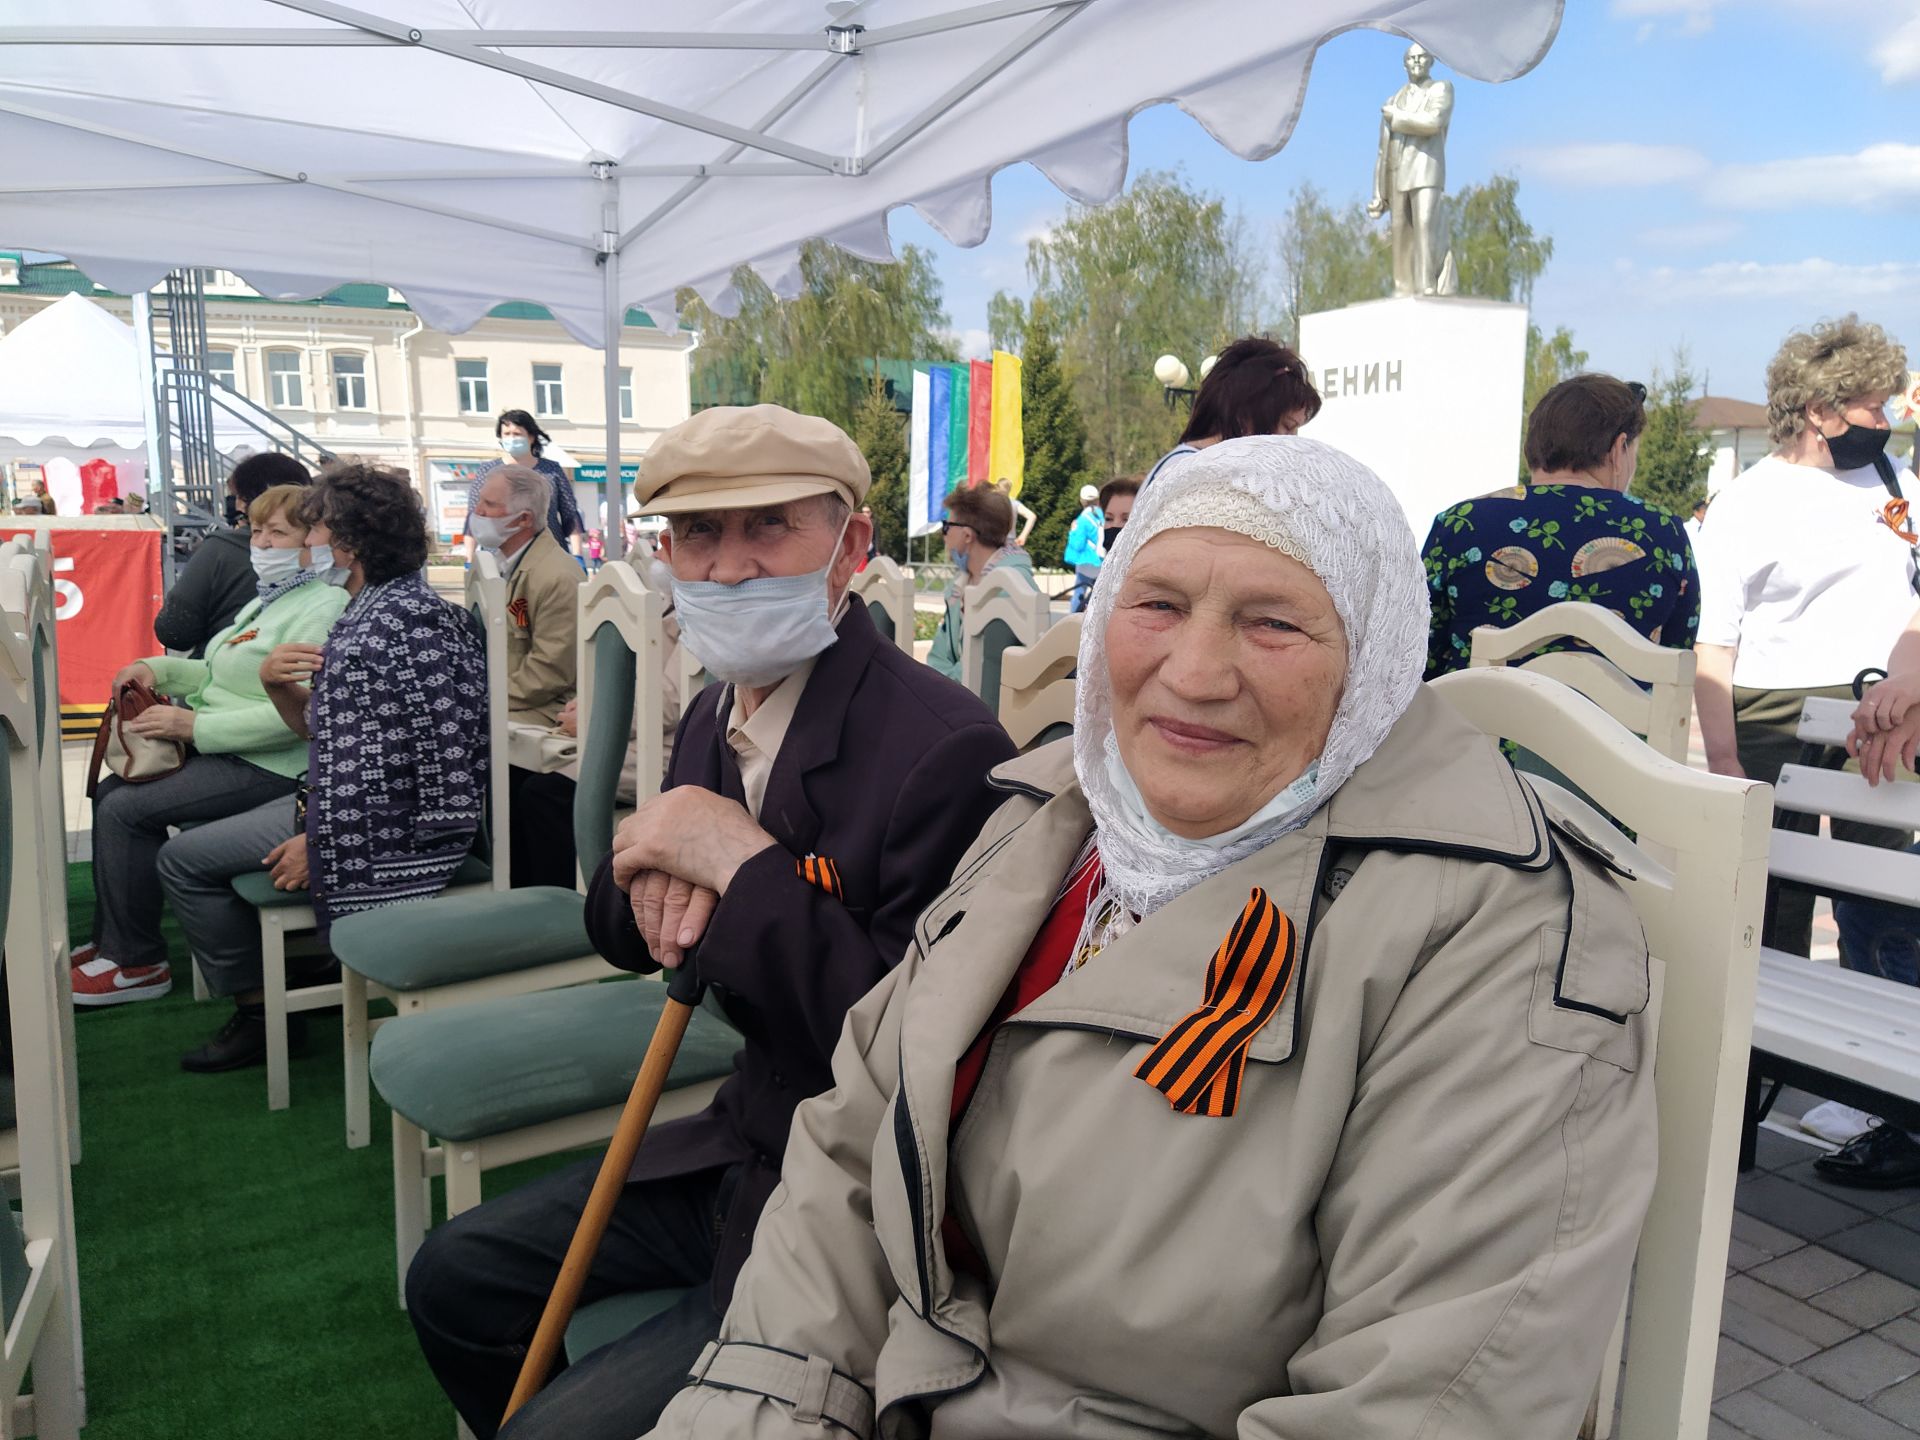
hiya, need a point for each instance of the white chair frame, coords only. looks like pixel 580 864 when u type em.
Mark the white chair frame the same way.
pixel 614 596
pixel 1007 596
pixel 1037 687
pixel 45 1331
pixel 885 584
pixel 34 565
pixel 1662 712
pixel 1700 906
pixel 486 593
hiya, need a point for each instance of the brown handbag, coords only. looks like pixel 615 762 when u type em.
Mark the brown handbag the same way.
pixel 134 758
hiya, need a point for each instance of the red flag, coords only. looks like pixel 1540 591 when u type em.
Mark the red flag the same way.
pixel 979 420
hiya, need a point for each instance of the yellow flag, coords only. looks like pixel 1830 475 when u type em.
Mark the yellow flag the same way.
pixel 1006 446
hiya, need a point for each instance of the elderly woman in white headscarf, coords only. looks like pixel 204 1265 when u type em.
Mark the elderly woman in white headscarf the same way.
pixel 1273 1067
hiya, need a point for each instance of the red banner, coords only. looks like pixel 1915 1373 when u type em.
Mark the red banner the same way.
pixel 107 592
pixel 979 419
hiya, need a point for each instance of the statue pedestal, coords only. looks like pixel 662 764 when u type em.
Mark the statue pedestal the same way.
pixel 1426 391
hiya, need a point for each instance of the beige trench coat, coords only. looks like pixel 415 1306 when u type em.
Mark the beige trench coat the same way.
pixel 1419 1222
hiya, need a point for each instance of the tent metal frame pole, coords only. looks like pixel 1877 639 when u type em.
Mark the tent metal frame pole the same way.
pixel 772 116
pixel 351 36
pixel 450 212
pixel 613 536
pixel 1002 58
pixel 465 50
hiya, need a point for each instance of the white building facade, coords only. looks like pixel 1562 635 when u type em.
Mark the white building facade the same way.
pixel 360 374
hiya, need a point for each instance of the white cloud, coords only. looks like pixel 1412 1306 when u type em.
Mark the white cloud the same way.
pixel 1897 52
pixel 1689 17
pixel 1812 281
pixel 1609 164
pixel 972 344
pixel 1869 179
pixel 1697 235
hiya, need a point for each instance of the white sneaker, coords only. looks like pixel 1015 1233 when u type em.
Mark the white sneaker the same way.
pixel 1836 1123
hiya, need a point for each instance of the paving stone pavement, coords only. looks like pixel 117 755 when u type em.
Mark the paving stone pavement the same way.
pixel 1820 1332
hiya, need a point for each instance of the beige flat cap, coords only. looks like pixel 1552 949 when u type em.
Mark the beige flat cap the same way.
pixel 734 457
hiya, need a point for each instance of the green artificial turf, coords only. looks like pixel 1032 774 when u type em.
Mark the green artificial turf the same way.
pixel 236 1265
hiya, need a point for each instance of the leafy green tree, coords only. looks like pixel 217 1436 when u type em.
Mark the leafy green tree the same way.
pixel 1549 361
pixel 881 433
pixel 1496 253
pixel 807 353
pixel 1674 458
pixel 1330 257
pixel 1006 321
pixel 1163 269
pixel 1056 439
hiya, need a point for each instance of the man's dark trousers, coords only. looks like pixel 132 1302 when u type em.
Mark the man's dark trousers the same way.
pixel 499 1261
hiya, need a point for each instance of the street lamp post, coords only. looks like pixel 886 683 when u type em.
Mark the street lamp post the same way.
pixel 1172 373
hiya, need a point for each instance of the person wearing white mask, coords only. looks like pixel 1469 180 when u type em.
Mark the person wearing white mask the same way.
pixel 543 593
pixel 523 442
pixel 1247 1079
pixel 816 801
pixel 244 756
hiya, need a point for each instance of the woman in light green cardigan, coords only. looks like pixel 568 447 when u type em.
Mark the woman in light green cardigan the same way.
pixel 240 753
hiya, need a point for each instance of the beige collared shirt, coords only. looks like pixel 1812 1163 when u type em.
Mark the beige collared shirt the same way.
pixel 755 739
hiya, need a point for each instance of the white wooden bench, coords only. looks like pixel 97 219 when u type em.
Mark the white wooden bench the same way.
pixel 1837 1033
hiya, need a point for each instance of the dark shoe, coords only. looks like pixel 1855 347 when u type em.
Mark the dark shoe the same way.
pixel 1884 1158
pixel 242 1042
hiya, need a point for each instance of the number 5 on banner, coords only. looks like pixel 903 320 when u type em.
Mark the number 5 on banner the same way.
pixel 68 600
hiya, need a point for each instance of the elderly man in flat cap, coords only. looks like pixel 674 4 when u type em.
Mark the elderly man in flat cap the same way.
pixel 815 803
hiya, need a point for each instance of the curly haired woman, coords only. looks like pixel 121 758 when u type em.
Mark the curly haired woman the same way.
pixel 1806 570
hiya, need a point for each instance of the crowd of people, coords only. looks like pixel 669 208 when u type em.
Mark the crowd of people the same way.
pixel 1029 1044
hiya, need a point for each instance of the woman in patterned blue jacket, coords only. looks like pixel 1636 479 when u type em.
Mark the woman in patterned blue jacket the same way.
pixel 397 708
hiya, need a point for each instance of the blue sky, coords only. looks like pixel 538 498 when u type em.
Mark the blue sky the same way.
pixel 1713 173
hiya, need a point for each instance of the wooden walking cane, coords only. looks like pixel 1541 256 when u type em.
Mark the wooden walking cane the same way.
pixel 683 998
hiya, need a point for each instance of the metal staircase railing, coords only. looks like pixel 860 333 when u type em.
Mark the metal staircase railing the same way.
pixel 194 409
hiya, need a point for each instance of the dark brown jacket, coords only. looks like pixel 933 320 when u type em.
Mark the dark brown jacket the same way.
pixel 884 772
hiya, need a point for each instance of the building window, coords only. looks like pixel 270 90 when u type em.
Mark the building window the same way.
pixel 283 374
pixel 471 376
pixel 349 381
pixel 626 392
pixel 548 397
pixel 220 367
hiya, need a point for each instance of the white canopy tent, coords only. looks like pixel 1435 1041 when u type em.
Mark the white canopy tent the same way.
pixel 468 152
pixel 70 380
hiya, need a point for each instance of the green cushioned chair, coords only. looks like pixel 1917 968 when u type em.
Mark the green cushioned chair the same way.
pixel 1004 610
pixel 454 950
pixel 502 1065
pixel 500 1081
pixel 608 1320
pixel 288 913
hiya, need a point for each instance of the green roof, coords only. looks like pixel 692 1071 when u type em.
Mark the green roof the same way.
pixel 63 278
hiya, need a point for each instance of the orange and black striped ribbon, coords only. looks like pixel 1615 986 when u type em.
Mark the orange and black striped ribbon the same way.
pixel 819 870
pixel 1199 1063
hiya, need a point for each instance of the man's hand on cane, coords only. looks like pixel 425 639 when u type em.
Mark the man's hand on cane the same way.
pixel 675 857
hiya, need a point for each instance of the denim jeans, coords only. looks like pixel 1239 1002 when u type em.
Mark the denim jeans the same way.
pixel 1879 938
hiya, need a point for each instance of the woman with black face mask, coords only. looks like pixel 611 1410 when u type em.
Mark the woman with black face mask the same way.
pixel 1806 569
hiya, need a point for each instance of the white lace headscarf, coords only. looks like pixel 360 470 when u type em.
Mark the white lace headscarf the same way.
pixel 1335 516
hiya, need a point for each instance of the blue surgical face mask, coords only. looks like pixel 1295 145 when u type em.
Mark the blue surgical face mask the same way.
pixel 759 631
pixel 320 562
pixel 273 567
pixel 514 445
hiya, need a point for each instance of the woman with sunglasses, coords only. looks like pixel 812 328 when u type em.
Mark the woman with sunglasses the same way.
pixel 1570 533
pixel 1807 571
pixel 978 535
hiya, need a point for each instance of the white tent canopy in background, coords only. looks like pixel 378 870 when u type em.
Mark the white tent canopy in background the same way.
pixel 70 383
pixel 468 152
